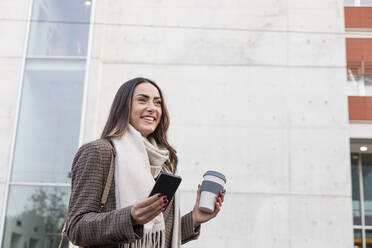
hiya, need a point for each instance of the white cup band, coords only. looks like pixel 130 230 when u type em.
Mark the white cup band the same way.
pixel 215 179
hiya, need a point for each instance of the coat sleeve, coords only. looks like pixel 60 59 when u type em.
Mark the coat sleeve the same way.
pixel 188 232
pixel 86 224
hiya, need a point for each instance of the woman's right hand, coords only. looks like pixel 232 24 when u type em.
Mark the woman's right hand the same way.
pixel 146 210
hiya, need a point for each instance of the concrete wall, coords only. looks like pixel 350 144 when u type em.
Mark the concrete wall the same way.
pixel 256 90
pixel 13 25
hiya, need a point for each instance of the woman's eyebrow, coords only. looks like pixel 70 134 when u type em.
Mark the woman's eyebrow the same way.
pixel 147 97
pixel 143 95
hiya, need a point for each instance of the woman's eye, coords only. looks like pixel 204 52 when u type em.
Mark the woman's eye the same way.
pixel 158 103
pixel 141 100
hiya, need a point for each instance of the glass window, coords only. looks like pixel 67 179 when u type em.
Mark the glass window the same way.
pixel 353 88
pixel 368 238
pixel 367 186
pixel 365 2
pixel 354 80
pixel 59 28
pixel 357 238
pixel 35 216
pixel 355 189
pixel 359 85
pixel 348 2
pixel 49 121
pixel 361 173
pixel 368 85
pixel 359 77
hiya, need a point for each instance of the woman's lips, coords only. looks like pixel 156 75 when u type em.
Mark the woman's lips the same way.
pixel 148 119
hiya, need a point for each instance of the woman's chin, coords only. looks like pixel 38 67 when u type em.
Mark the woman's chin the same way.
pixel 146 131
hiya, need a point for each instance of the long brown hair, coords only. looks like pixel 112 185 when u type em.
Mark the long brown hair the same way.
pixel 118 120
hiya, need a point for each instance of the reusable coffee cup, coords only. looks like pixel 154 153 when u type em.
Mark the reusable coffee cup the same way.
pixel 213 183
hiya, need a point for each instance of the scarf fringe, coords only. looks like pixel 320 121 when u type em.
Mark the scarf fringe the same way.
pixel 149 240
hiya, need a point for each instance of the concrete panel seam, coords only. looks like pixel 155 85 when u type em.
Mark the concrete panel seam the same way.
pixel 280 194
pixel 114 62
pixel 182 27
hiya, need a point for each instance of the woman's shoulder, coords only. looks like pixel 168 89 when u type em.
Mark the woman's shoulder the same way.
pixel 101 144
pixel 101 147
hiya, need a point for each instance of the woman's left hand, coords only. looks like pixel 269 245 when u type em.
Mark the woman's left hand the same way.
pixel 200 217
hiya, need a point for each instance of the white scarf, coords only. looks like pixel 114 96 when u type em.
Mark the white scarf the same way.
pixel 138 162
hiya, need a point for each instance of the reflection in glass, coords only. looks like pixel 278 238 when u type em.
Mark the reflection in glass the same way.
pixel 59 28
pixel 357 238
pixel 365 2
pixel 369 238
pixel 368 85
pixel 359 77
pixel 35 216
pixel 355 189
pixel 367 186
pixel 348 2
pixel 49 122
pixel 355 84
pixel 353 88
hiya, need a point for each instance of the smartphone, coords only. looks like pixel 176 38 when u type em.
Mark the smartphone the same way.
pixel 166 184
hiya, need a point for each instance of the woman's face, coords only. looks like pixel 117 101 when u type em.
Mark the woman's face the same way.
pixel 146 109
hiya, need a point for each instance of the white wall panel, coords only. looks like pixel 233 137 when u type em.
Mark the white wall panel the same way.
pixel 210 95
pixel 10 71
pixel 193 46
pixel 320 162
pixel 313 49
pixel 320 222
pixel 316 19
pixel 13 23
pixel 360 130
pixel 15 33
pixel 2 198
pixel 265 14
pixel 317 98
pixel 329 5
pixel 255 90
pixel 245 220
pixel 93 103
pixel 251 158
pixel 14 9
pixel 316 16
pixel 98 36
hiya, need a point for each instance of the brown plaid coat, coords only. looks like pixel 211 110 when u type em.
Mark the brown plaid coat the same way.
pixel 86 224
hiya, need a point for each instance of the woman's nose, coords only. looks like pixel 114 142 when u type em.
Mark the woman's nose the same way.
pixel 150 106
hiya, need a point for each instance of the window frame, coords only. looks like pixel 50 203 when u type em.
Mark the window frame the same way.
pixel 25 57
pixel 363 227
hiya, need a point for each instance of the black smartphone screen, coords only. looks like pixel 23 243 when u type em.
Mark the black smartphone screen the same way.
pixel 166 184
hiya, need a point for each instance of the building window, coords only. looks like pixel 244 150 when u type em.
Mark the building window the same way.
pixel 357 3
pixel 35 215
pixel 359 77
pixel 349 3
pixel 49 120
pixel 48 126
pixel 365 3
pixel 361 172
pixel 59 28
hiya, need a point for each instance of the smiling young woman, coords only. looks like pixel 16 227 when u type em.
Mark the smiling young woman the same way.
pixel 134 143
pixel 121 111
pixel 145 111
